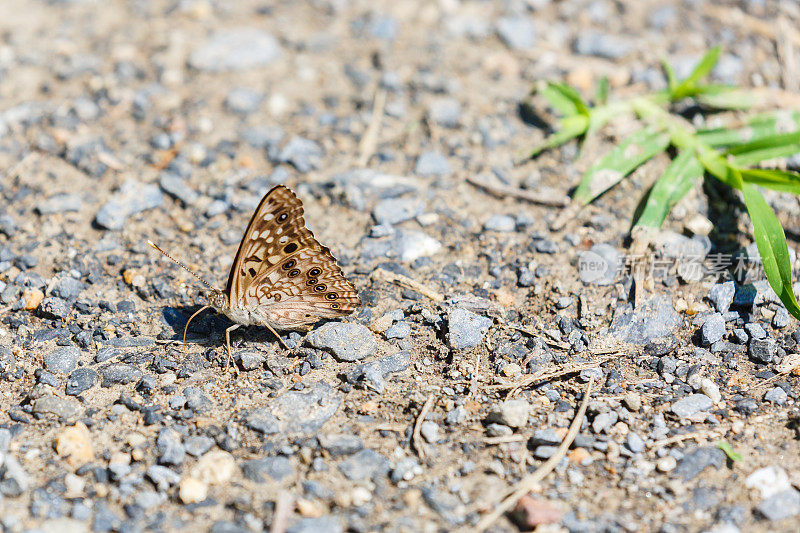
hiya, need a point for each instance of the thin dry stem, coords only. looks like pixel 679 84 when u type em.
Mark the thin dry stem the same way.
pixel 415 438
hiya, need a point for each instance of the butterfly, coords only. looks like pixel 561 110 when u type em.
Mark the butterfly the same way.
pixel 281 277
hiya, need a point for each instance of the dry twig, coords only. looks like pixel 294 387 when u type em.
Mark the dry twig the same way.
pixel 552 199
pixel 529 482
pixel 381 274
pixel 283 509
pixel 370 139
pixel 415 437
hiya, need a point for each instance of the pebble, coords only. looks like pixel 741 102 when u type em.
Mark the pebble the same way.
pixel 303 154
pixel 465 328
pixel 692 404
pixel 412 245
pixel 517 32
pixel 163 477
pixel 175 186
pixel 603 45
pixel 604 421
pixel 634 442
pixel 780 506
pixel 600 265
pixel 322 524
pixel 197 445
pixel 55 307
pixel 215 468
pixel 60 203
pixel 781 318
pixel 755 330
pixel 399 330
pixel 366 464
pixel 66 409
pixel 236 49
pixel 259 470
pixel 14 479
pixel 74 444
pixel 119 373
pixel 710 389
pixel 512 413
pixel 769 481
pixel 249 359
pixel 340 444
pixel 62 360
pixel 713 329
pixel 666 464
pixel 763 350
pixel 374 373
pixel 445 112
pixel 33 298
pixel 243 100
pixel 694 462
pixel 721 295
pixel 192 490
pixel 429 431
pixel 301 412
pixel 652 319
pixel 348 341
pixel 395 210
pixel 67 288
pixel 170 448
pixel 432 164
pixel 132 198
pixel 777 396
pixel 500 223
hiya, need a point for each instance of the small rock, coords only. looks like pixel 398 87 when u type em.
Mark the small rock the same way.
pixel 296 411
pixel 243 100
pixel 60 203
pixel 634 442
pixel 347 341
pixel 366 464
pixel 373 374
pixel 692 404
pixel 445 112
pixel 698 460
pixel 500 223
pixel 518 32
pixel 465 328
pixel 411 245
pixel 781 318
pixel 512 413
pixel 600 265
pixel 197 445
pixel 163 477
pixel 721 295
pixel 277 468
pixel 763 350
pixel 132 198
pixel 666 464
pixel 777 396
pixel 400 330
pixel 769 481
pixel 603 45
pixel 713 329
pixel 33 298
pixel 119 373
pixel 170 448
pixel 214 468
pixel 75 445
pixel 303 154
pixel 62 360
pixel 395 210
pixel 66 409
pixel 175 186
pixel 340 444
pixel 430 431
pixel 652 319
pixel 80 380
pixel 192 490
pixel 432 164
pixel 322 524
pixel 632 401
pixel 55 307
pixel 779 506
pixel 236 49
pixel 710 389
pixel 249 359
pixel 604 421
pixel 67 288
pixel 13 478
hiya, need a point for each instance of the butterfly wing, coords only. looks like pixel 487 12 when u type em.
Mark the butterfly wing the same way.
pixel 282 272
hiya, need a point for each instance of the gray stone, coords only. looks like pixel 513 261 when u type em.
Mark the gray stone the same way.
pixel 604 421
pixel 448 505
pixel 64 408
pixel 603 45
pixel 512 413
pixel 465 328
pixel 721 295
pixel 119 373
pixel 347 341
pixel 692 404
pixel 236 49
pixel 62 360
pixel 243 100
pixel 399 330
pixel 249 359
pixel 60 203
pixel 373 374
pixel 55 307
pixel 296 411
pixel 429 431
pixel 175 186
pixel 781 318
pixel 694 462
pixel 411 245
pixel 600 265
pixel 755 330
pixel 303 154
pixel 780 506
pixel 276 468
pixel 653 318
pixel 80 380
pixel 776 395
pixel 445 112
pixel 163 477
pixel 544 452
pixel 340 444
pixel 634 442
pixel 132 198
pixel 13 478
pixel 763 350
pixel 366 464
pixel 322 524
pixel 713 329
pixel 396 210
pixel 67 288
pixel 501 223
pixel 517 32
pixel 197 445
pixel 170 448
pixel 432 164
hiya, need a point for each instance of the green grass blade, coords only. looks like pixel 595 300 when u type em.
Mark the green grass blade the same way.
pixel 558 101
pixel 688 86
pixel 777 180
pixel 619 162
pixel 672 79
pixel 730 98
pixel 684 171
pixel 571 127
pixel 772 247
pixel 766 143
pixel 601 92
pixel 570 94
pixel 757 156
pixel 758 128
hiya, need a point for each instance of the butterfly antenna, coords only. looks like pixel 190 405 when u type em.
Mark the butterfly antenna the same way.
pixel 201 280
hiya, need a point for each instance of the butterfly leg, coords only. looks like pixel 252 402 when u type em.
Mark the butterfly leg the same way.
pixel 186 328
pixel 277 336
pixel 228 346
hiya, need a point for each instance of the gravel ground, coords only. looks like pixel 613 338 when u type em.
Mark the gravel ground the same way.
pixel 168 120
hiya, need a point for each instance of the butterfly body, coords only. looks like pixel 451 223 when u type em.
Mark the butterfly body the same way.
pixel 281 277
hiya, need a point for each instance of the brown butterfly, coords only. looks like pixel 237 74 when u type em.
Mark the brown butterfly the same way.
pixel 282 277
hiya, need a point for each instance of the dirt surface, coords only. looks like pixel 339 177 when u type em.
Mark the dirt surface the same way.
pixel 122 122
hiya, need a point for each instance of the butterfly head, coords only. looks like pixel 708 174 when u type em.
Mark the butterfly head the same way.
pixel 218 300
